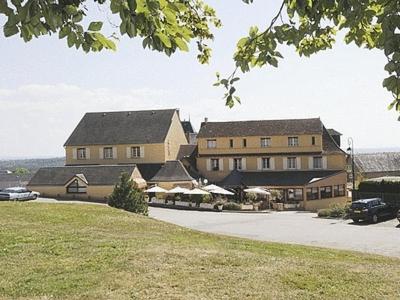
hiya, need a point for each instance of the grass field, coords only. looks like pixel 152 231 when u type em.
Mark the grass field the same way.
pixel 90 251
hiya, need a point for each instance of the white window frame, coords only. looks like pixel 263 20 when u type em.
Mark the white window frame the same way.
pixel 293 141
pixel 81 153
pixel 214 164
pixel 316 165
pixel 135 152
pixel 266 166
pixel 265 142
pixel 211 144
pixel 290 164
pixel 106 154
pixel 238 163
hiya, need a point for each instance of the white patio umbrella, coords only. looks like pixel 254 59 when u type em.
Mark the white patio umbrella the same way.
pixel 156 189
pixel 257 190
pixel 177 190
pixel 221 191
pixel 211 187
pixel 196 191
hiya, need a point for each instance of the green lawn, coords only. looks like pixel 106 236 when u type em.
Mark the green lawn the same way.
pixel 89 251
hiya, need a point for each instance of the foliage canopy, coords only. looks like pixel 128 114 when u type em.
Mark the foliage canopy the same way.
pixel 309 26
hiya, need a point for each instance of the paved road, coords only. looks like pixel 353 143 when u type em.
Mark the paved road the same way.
pixel 292 227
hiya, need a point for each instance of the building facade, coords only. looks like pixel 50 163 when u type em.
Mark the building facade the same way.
pixel 280 149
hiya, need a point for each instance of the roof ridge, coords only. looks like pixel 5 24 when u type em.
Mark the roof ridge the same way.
pixel 123 111
pixel 262 120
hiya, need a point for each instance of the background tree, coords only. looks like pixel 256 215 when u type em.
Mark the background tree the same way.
pixel 21 171
pixel 128 197
pixel 170 25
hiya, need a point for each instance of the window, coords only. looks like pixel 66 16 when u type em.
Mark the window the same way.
pixel 265 142
pixel 215 164
pixel 231 143
pixel 81 153
pixel 135 152
pixel 338 190
pixel 266 163
pixel 313 140
pixel 295 194
pixel 237 163
pixel 211 144
pixel 312 193
pixel 317 162
pixel 293 141
pixel 244 143
pixel 292 163
pixel 108 153
pixel 75 188
pixel 326 192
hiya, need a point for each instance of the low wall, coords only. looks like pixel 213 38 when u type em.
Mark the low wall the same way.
pixel 314 205
pixel 93 192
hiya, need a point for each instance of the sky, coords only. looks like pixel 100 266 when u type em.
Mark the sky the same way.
pixel 46 87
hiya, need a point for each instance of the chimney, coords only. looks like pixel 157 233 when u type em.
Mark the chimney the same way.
pixel 205 120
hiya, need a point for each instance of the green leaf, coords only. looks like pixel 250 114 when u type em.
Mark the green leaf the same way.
pixel 95 26
pixel 164 39
pixel 181 44
pixel 10 30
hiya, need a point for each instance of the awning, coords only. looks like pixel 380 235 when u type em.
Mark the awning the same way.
pixel 156 189
pixel 177 190
pixel 196 191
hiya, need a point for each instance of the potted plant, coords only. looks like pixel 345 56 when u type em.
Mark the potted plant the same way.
pixel 219 205
pixel 206 202
pixel 180 201
pixel 169 200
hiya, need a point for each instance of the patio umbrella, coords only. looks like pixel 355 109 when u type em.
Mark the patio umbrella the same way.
pixel 221 191
pixel 196 191
pixel 257 190
pixel 156 189
pixel 177 190
pixel 211 187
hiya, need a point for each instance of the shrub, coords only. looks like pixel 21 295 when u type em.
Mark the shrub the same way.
pixel 334 211
pixel 206 199
pixel 324 213
pixel 251 197
pixel 231 206
pixel 128 197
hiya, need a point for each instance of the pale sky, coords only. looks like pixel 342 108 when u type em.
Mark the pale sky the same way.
pixel 45 87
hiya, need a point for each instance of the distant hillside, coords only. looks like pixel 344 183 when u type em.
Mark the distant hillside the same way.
pixel 31 164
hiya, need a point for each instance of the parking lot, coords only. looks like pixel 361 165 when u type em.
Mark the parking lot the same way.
pixel 292 227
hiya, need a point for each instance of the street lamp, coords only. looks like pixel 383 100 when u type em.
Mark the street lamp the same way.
pixel 351 150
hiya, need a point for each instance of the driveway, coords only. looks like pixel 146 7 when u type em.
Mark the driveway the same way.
pixel 292 227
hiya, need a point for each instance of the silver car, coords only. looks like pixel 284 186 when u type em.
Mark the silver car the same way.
pixel 18 193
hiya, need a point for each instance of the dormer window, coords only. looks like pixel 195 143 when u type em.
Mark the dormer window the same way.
pixel 293 141
pixel 211 144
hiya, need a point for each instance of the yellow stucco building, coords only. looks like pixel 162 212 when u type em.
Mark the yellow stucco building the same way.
pixel 298 157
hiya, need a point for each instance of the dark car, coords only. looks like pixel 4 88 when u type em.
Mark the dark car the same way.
pixel 398 215
pixel 370 210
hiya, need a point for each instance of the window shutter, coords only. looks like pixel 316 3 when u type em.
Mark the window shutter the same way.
pixel 74 153
pixel 101 153
pixel 114 149
pixel 259 163
pixel 128 152
pixel 285 159
pixel 311 162
pixel 231 164
pixel 272 163
pixel 142 151
pixel 87 153
pixel 208 162
pixel 243 164
pixel 221 164
pixel 298 163
pixel 324 162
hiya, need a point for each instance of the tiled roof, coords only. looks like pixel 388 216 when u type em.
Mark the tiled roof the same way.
pixel 332 131
pixel 260 128
pixel 378 162
pixel 172 170
pixel 124 127
pixel 186 151
pixel 284 178
pixel 187 126
pixel 95 175
pixel 328 143
pixel 149 170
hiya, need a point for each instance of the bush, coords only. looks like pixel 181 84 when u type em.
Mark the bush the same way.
pixel 126 196
pixel 206 199
pixel 324 213
pixel 232 206
pixel 379 186
pixel 251 197
pixel 335 211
